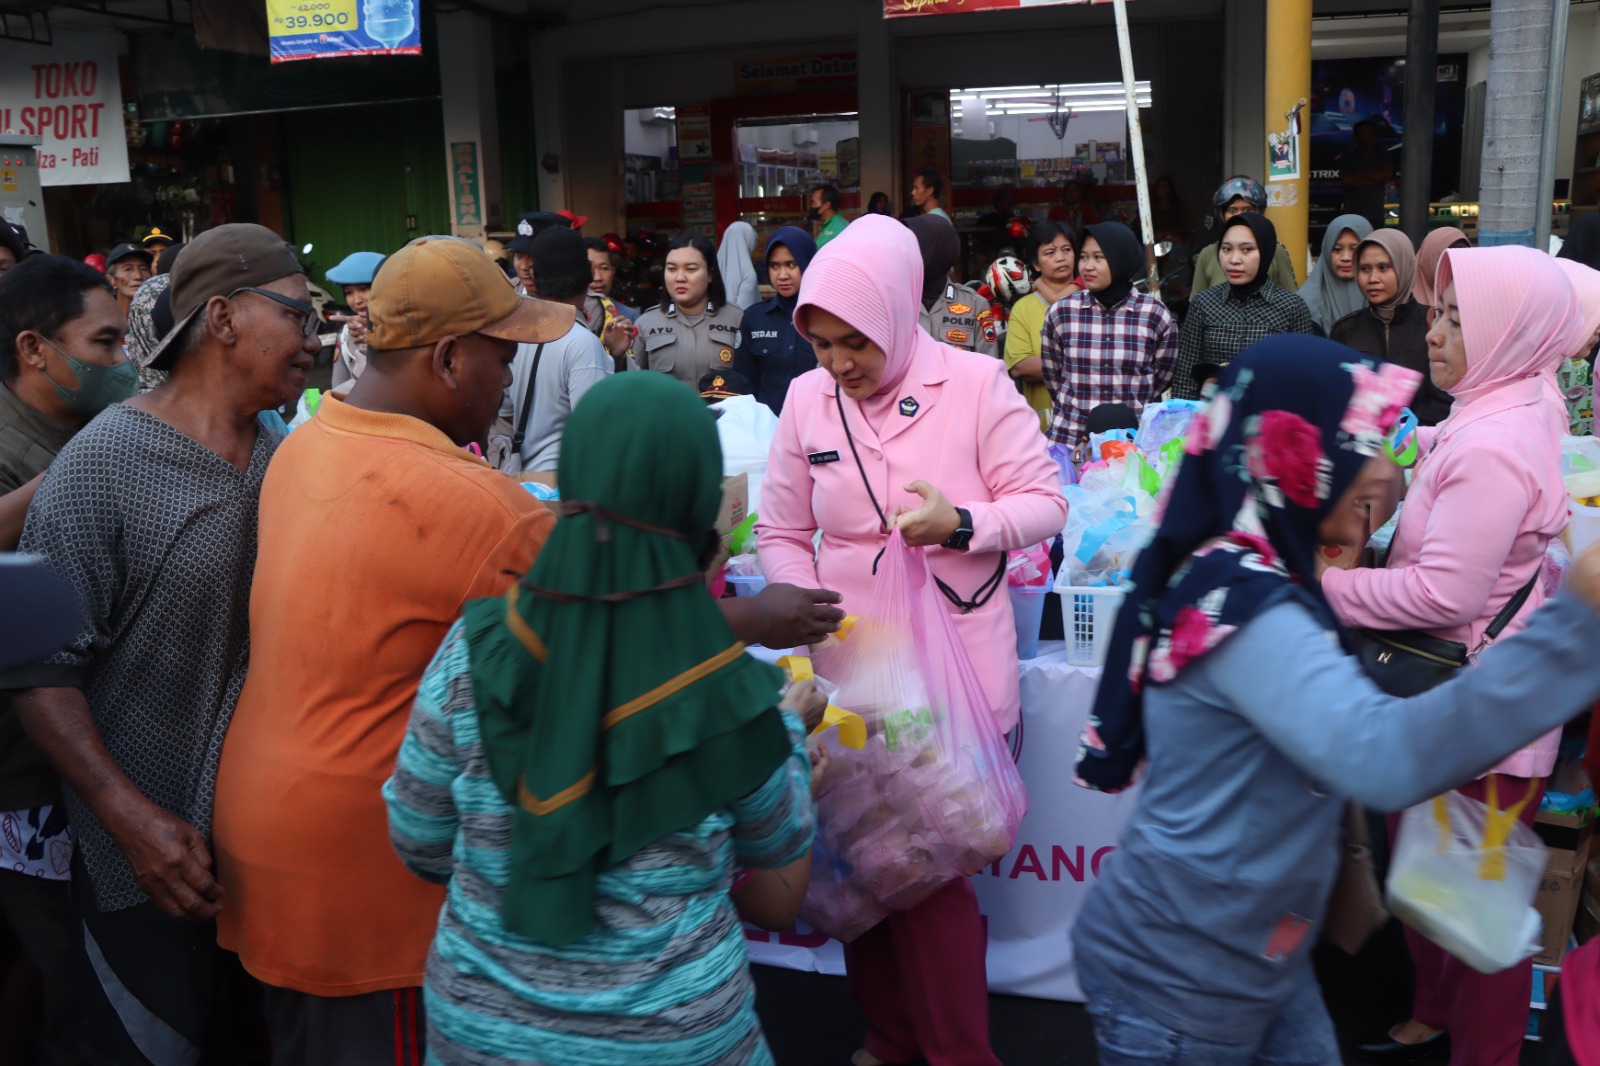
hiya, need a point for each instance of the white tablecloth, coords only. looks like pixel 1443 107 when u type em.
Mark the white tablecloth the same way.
pixel 1031 897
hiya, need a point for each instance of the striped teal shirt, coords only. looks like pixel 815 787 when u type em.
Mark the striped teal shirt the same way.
pixel 662 979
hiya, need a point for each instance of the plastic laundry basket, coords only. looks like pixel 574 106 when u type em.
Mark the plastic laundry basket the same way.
pixel 1088 616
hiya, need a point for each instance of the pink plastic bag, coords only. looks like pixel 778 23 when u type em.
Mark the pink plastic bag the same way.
pixel 935 794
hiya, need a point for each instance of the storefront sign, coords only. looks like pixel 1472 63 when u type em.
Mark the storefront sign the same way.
pixel 322 29
pixel 464 184
pixel 787 74
pixel 69 96
pixel 894 9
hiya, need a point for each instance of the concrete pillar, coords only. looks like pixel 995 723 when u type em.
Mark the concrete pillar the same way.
pixel 878 100
pixel 1244 53
pixel 1288 83
pixel 471 121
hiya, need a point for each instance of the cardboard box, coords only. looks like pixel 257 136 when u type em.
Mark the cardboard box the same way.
pixel 1561 887
pixel 1588 923
pixel 735 503
pixel 1565 832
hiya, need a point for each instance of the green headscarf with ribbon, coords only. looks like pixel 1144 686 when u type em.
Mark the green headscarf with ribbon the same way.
pixel 615 704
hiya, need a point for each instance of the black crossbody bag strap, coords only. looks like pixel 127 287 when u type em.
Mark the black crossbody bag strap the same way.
pixel 1509 611
pixel 985 591
pixel 527 406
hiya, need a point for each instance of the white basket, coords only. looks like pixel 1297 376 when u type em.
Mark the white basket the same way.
pixel 1088 616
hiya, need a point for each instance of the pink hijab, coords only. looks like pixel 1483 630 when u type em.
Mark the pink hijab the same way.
pixel 871 277
pixel 1586 286
pixel 1433 246
pixel 1519 320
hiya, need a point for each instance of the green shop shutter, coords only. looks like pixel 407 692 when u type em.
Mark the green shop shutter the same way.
pixel 358 175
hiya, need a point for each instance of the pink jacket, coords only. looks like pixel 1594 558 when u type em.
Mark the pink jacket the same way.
pixel 1488 496
pixel 954 420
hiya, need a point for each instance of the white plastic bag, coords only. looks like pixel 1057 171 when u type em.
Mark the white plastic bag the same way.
pixel 1465 878
pixel 745 428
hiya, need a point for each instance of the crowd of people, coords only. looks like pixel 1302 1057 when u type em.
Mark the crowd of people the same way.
pixel 360 750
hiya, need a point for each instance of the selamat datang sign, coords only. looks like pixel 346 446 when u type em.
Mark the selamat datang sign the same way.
pixel 894 9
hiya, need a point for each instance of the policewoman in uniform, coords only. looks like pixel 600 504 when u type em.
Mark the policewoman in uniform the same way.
pixel 772 353
pixel 695 329
pixel 895 427
pixel 952 314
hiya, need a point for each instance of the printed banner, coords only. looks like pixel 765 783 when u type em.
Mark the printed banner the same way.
pixel 68 95
pixel 324 29
pixel 893 9
pixel 1029 899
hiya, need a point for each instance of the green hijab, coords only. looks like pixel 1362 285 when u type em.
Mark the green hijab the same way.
pixel 615 704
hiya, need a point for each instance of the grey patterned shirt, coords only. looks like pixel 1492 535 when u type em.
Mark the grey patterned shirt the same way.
pixel 158 535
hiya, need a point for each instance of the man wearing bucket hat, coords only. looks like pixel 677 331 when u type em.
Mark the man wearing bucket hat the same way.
pixel 529 225
pixel 149 513
pixel 319 908
pixel 353 275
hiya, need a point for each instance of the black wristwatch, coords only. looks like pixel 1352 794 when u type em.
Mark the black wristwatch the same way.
pixel 963 535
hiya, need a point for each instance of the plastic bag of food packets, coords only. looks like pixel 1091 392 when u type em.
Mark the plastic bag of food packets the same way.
pixel 1464 876
pixel 934 794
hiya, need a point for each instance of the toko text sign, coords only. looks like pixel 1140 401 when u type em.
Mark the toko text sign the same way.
pixel 321 29
pixel 894 9
pixel 69 96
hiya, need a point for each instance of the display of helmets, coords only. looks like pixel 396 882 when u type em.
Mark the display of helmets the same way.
pixel 1008 279
pixel 357 268
pixel 1240 185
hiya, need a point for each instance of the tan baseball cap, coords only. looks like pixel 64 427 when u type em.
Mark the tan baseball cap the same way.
pixel 223 260
pixel 437 288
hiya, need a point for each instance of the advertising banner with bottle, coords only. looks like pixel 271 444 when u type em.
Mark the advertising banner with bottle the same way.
pixel 322 29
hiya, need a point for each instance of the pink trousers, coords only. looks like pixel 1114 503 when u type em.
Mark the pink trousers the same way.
pixel 1486 1015
pixel 920 979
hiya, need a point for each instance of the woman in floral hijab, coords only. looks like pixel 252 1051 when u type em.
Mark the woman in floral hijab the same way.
pixel 1227 678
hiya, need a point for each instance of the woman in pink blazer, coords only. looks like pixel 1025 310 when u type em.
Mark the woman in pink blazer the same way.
pixel 1486 501
pixel 896 427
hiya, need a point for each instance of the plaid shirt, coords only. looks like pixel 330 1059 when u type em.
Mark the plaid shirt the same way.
pixel 1093 356
pixel 1220 325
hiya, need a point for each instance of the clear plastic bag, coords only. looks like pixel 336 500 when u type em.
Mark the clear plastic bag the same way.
pixel 1465 874
pixel 934 794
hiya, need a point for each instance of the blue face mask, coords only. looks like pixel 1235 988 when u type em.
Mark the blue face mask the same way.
pixel 98 386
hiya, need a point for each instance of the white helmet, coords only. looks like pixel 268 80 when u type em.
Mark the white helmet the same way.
pixel 1008 279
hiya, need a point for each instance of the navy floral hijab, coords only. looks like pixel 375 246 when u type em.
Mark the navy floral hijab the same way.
pixel 1293 420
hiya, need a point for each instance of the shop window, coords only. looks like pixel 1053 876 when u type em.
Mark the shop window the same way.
pixel 650 160
pixel 787 157
pixel 1025 137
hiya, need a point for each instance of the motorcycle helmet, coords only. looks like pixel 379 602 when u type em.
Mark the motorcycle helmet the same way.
pixel 1008 279
pixel 1240 185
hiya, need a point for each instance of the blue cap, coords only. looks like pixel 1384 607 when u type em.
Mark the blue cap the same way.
pixel 357 268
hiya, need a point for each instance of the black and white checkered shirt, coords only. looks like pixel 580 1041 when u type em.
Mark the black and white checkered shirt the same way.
pixel 157 533
pixel 1220 325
